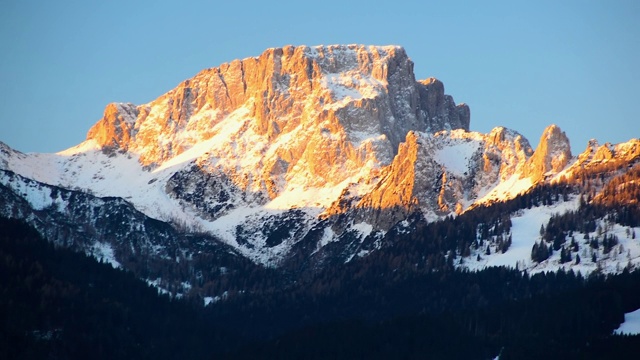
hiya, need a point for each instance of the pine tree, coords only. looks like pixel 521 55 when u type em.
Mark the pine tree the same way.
pixel 540 252
pixel 565 255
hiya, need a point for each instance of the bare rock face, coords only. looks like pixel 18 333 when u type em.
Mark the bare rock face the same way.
pixel 505 153
pixel 440 109
pixel 596 154
pixel 439 174
pixel 396 188
pixel 115 128
pixel 292 118
pixel 359 91
pixel 552 155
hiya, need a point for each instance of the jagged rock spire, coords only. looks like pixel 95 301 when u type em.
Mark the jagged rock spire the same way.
pixel 551 156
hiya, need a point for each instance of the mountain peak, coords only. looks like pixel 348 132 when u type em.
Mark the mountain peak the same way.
pixel 552 155
pixel 114 130
pixel 552 130
pixel 359 93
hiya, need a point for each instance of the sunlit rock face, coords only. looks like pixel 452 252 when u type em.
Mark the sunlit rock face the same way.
pixel 551 156
pixel 443 173
pixel 115 128
pixel 596 153
pixel 309 116
pixel 337 129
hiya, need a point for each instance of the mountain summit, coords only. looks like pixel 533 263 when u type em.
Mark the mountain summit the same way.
pixel 286 153
pixel 361 95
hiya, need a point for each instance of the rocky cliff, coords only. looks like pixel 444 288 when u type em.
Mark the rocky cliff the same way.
pixel 292 119
pixel 551 156
pixel 353 90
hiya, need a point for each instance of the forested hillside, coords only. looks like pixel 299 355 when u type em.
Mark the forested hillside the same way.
pixel 59 304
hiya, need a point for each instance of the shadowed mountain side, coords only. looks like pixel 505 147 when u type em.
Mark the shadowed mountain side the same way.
pixel 112 230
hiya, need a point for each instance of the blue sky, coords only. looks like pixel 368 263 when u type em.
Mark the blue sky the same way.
pixel 519 64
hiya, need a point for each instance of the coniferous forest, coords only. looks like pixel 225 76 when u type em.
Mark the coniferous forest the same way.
pixel 408 299
pixel 57 304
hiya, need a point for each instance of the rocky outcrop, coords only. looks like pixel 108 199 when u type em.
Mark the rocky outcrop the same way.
pixel 115 129
pixel 613 156
pixel 439 174
pixel 440 109
pixel 551 156
pixel 396 188
pixel 394 196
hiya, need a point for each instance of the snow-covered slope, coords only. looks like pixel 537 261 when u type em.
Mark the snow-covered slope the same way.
pixel 525 232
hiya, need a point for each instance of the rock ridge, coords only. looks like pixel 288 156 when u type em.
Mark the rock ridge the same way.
pixel 355 89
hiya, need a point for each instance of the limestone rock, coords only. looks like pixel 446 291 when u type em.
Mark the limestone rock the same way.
pixel 439 174
pixel 359 91
pixel 613 155
pixel 440 109
pixel 115 129
pixel 552 155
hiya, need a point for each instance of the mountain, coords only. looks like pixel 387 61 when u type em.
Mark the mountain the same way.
pixel 313 196
pixel 295 159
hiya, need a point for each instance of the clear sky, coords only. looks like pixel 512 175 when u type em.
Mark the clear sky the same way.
pixel 519 64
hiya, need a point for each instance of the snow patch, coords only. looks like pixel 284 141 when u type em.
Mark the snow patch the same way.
pixel 507 189
pixel 363 228
pixel 104 252
pixel 211 300
pixel 525 231
pixel 328 236
pixel 157 284
pixel 456 157
pixel 208 300
pixel 631 324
